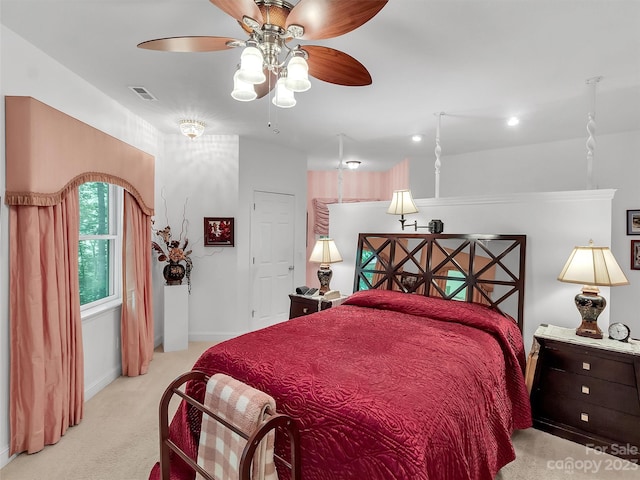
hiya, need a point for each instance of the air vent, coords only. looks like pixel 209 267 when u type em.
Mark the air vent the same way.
pixel 143 93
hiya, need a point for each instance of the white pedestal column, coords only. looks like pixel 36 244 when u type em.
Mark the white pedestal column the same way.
pixel 176 318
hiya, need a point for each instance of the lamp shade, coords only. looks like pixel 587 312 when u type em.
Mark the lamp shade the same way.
pixel 402 203
pixel 593 266
pixel 325 252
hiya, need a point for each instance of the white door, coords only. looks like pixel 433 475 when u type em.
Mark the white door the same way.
pixel 272 249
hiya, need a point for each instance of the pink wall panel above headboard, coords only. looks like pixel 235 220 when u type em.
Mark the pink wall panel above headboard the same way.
pixel 356 186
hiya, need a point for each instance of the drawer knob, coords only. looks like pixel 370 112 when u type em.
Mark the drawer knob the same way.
pixel 586 366
pixel 585 389
pixel 584 417
pixel 305 310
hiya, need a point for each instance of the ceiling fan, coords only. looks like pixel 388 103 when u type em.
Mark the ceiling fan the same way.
pixel 267 61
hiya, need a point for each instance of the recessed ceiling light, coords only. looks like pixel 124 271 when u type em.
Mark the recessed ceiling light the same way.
pixel 513 121
pixel 416 138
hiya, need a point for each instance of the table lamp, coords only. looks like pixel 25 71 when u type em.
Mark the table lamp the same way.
pixel 592 267
pixel 325 252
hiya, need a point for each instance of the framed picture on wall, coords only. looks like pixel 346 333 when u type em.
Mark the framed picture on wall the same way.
pixel 635 254
pixel 633 222
pixel 218 231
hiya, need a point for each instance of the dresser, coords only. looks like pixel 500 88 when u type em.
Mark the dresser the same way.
pixel 587 390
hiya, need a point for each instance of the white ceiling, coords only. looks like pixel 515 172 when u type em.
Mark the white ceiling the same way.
pixel 478 61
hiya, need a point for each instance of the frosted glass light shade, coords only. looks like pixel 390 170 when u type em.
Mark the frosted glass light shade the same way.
pixel 251 64
pixel 242 91
pixel 325 252
pixel 298 75
pixel 593 266
pixel 283 97
pixel 402 203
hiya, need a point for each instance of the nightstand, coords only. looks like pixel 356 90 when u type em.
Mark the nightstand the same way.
pixel 304 305
pixel 587 390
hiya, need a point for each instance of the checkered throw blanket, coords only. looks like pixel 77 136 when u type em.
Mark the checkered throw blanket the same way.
pixel 220 448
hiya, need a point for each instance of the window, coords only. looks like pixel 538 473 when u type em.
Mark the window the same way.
pixel 100 244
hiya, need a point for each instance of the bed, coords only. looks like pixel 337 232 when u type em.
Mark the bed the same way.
pixel 419 374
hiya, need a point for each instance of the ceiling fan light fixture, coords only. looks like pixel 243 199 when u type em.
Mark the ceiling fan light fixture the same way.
pixel 297 79
pixel 251 62
pixel 242 91
pixel 192 128
pixel 271 24
pixel 283 97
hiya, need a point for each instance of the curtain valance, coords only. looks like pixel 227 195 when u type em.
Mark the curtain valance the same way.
pixel 48 153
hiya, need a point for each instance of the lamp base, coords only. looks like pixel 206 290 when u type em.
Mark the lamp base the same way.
pixel 324 275
pixel 590 305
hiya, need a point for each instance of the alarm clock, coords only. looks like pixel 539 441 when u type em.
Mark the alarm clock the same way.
pixel 619 331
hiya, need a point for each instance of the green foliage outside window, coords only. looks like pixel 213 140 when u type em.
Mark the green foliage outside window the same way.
pixel 366 255
pixel 96 242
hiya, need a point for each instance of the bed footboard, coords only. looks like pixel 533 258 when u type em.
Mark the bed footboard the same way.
pixel 283 424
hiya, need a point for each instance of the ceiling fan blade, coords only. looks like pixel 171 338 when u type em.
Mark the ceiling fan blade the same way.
pixel 268 85
pixel 240 8
pixel 334 66
pixel 188 44
pixel 336 17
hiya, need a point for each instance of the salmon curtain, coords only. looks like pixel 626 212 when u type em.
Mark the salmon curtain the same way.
pixel 47 380
pixel 137 304
pixel 48 155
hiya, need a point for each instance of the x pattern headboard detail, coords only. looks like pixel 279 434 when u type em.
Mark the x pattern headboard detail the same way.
pixel 478 268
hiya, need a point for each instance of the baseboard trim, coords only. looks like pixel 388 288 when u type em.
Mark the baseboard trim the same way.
pixel 101 383
pixel 4 456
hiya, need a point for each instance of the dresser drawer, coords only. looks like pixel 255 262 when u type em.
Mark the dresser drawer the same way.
pixel 584 362
pixel 608 423
pixel 301 306
pixel 584 388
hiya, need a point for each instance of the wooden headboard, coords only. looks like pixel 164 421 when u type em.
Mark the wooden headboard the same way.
pixel 477 268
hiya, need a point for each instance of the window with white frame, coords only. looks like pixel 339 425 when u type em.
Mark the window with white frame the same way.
pixel 100 245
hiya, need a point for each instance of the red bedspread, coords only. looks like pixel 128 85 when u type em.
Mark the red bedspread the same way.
pixel 386 386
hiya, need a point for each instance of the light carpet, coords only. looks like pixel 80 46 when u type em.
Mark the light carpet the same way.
pixel 118 438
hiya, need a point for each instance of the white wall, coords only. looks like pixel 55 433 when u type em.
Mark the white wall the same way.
pixel 552 222
pixel 555 166
pixel 200 178
pixel 217 175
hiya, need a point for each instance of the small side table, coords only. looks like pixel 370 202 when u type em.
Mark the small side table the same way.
pixel 176 318
pixel 305 305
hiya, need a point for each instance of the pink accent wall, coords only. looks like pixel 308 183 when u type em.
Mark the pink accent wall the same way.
pixel 367 186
